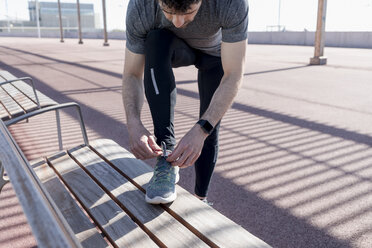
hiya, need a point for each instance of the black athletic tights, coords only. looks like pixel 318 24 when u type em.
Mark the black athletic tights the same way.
pixel 163 51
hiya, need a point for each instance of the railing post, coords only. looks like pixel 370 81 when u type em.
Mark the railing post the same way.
pixel 37 18
pixel 104 23
pixel 60 20
pixel 79 21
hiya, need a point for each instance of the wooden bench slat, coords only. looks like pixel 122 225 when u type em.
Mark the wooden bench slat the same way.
pixel 12 107
pixel 85 231
pixel 212 224
pixel 22 100
pixel 158 221
pixel 106 213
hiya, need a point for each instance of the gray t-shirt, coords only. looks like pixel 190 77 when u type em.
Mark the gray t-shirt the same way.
pixel 216 21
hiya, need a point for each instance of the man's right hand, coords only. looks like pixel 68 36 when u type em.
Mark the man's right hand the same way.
pixel 142 143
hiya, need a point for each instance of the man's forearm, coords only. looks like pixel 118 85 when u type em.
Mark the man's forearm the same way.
pixel 222 98
pixel 132 98
pixel 233 57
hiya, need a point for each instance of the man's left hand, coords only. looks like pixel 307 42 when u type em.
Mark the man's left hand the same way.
pixel 189 148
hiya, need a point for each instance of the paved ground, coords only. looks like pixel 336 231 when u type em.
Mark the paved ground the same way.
pixel 295 165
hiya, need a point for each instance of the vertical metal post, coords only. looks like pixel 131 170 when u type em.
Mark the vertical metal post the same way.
pixel 7 15
pixel 319 58
pixel 60 20
pixel 104 23
pixel 59 130
pixel 82 125
pixel 280 4
pixel 79 22
pixel 37 18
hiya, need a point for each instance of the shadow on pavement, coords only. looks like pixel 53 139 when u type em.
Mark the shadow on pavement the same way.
pixel 270 154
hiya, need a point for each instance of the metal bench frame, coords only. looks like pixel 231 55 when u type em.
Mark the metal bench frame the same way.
pixel 51 229
pixel 28 115
pixel 25 79
pixel 56 108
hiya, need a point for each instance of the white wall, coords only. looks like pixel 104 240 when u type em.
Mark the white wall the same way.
pixel 333 39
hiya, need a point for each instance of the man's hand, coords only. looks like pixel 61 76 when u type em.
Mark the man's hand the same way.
pixel 189 148
pixel 142 143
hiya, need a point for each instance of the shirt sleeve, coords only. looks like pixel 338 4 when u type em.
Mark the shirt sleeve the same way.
pixel 135 30
pixel 235 21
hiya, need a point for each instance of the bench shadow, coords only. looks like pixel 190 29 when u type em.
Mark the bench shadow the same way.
pixel 262 215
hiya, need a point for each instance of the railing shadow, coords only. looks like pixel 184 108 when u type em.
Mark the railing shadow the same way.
pixel 292 199
pixel 276 70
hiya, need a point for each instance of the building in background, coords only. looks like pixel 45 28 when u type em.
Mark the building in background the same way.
pixel 48 14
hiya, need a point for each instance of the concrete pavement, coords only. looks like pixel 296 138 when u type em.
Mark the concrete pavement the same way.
pixel 295 162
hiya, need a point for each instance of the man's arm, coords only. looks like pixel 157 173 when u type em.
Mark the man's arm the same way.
pixel 233 57
pixel 142 143
pixel 189 148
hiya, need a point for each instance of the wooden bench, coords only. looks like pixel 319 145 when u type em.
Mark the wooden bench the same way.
pixel 93 196
pixel 17 97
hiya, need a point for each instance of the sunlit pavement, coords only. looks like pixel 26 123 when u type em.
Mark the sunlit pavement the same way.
pixel 295 161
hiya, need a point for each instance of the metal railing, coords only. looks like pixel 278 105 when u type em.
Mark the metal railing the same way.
pixel 55 108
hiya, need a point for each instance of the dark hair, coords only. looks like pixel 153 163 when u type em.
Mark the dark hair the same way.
pixel 179 5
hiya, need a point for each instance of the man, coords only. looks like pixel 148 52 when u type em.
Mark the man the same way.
pixel 161 34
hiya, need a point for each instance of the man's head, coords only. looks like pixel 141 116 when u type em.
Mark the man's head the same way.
pixel 180 12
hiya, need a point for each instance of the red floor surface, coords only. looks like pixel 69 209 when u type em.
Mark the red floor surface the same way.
pixel 295 161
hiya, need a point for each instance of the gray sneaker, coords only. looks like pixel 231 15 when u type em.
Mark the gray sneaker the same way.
pixel 162 186
pixel 207 202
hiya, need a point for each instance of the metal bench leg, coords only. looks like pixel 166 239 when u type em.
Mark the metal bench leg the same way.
pixel 3 181
pixel 59 130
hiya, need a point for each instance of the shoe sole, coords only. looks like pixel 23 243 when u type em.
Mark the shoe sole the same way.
pixel 161 200
pixel 177 178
